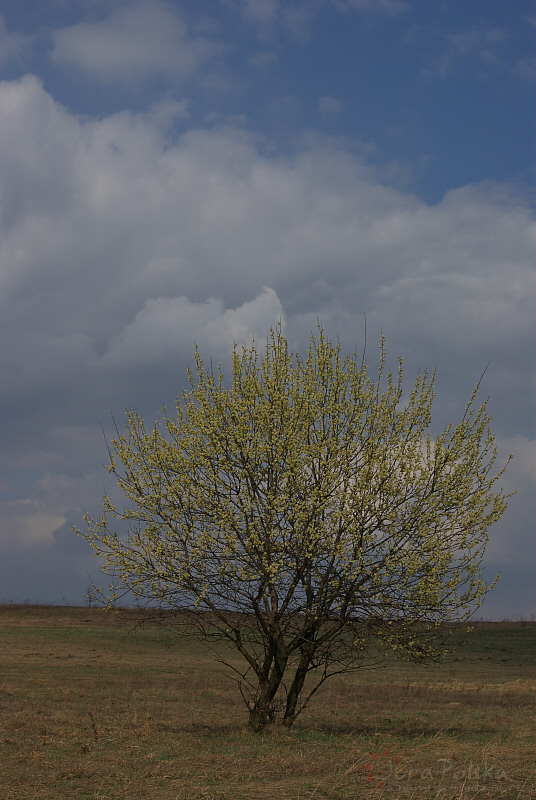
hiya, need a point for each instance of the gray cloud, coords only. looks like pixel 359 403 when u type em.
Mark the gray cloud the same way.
pixel 119 248
pixel 134 42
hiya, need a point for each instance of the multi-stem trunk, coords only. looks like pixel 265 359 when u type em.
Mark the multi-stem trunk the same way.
pixel 263 711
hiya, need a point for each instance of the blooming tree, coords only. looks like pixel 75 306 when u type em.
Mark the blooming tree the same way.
pixel 302 512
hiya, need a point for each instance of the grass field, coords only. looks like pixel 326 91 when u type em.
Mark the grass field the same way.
pixel 93 710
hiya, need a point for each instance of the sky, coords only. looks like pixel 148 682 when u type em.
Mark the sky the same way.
pixel 194 171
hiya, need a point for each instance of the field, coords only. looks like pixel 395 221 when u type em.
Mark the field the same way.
pixel 91 709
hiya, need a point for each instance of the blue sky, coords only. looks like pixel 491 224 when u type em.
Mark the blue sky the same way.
pixel 180 171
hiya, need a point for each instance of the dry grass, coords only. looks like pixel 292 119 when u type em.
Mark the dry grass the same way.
pixel 93 711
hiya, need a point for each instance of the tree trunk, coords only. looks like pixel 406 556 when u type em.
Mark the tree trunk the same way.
pixel 296 687
pixel 264 710
pixel 260 716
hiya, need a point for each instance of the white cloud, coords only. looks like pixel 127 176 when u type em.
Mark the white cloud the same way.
pixel 164 329
pixel 137 40
pixel 101 216
pixel 112 214
pixel 27 523
pixel 472 278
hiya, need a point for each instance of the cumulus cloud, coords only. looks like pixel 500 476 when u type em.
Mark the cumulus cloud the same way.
pixel 166 326
pixel 112 217
pixel 112 212
pixel 134 42
pixel 120 247
pixel 27 523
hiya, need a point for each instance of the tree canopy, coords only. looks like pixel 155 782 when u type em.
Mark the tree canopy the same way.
pixel 303 512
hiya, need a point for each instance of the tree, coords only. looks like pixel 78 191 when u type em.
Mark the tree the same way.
pixel 303 514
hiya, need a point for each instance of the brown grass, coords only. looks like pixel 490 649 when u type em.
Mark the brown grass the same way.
pixel 90 709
